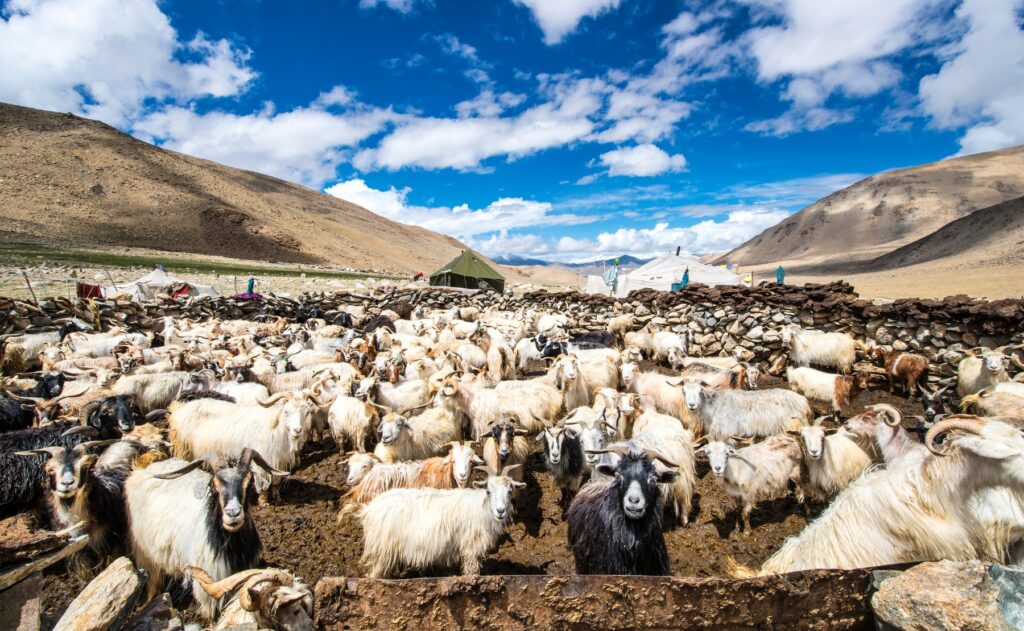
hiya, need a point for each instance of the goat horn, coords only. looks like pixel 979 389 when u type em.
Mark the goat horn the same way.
pixel 654 455
pixel 177 473
pixel 272 400
pixel 18 397
pixel 80 429
pixel 509 468
pixel 973 426
pixel 52 452
pixel 1016 361
pixel 217 589
pixel 93 444
pixel 156 414
pixel 621 450
pixel 255 456
pixel 891 416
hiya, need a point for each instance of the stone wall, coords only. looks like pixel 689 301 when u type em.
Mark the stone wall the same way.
pixel 720 318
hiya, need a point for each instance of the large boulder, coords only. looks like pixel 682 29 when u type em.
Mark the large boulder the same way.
pixel 943 596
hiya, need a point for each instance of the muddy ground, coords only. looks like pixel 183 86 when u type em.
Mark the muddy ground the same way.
pixel 300 532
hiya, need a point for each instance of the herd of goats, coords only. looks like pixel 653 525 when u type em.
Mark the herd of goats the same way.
pixel 160 444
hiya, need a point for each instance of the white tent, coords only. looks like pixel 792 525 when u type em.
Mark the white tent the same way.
pixel 662 272
pixel 158 282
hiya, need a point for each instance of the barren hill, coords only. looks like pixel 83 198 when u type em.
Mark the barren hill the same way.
pixel 987 237
pixel 881 213
pixel 71 181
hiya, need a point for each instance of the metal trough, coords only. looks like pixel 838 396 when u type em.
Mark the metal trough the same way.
pixel 819 599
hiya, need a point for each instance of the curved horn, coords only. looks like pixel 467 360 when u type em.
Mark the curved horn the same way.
pixel 965 424
pixel 621 450
pixel 18 397
pixel 195 464
pixel 509 468
pixel 272 400
pixel 156 414
pixel 217 589
pixel 255 456
pixel 1016 361
pixel 891 416
pixel 654 455
pixel 80 429
pixel 93 444
pixel 51 452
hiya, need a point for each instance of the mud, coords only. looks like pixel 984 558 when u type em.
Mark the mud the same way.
pixel 300 531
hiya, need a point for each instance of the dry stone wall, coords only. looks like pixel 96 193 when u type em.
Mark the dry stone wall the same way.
pixel 719 318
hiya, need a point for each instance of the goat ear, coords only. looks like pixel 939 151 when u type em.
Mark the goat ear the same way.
pixel 606 469
pixel 540 437
pixel 571 433
pixel 667 476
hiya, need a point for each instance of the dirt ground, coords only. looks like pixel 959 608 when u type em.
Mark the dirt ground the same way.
pixel 300 531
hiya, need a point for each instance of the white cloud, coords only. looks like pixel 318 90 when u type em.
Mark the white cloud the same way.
pixel 981 82
pixel 796 191
pixel 303 145
pixel 463 143
pixel 488 104
pixel 460 221
pixel 703 237
pixel 454 46
pixel 558 18
pixel 105 58
pixel 338 95
pixel 641 161
pixel 820 49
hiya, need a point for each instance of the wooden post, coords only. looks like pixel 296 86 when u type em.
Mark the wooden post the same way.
pixel 30 290
pixel 234 280
pixel 111 278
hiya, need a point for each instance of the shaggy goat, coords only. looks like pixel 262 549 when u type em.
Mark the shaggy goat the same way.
pixel 909 368
pixel 980 373
pixel 832 460
pixel 563 458
pixel 745 413
pixel 832 350
pixel 837 390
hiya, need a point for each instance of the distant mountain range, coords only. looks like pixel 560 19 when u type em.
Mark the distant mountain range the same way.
pixel 514 260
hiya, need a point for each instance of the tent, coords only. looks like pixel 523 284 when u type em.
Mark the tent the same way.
pixel 159 282
pixel 468 271
pixel 662 272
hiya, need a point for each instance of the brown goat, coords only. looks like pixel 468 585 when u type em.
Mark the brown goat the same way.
pixel 910 368
pixel 848 387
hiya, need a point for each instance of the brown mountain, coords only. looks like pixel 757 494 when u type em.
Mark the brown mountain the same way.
pixel 886 211
pixel 71 181
pixel 992 236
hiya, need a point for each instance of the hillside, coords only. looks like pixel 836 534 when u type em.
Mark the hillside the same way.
pixel 74 182
pixel 986 237
pixel 884 212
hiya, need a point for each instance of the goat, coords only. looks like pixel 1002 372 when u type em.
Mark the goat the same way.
pixel 505 446
pixel 670 348
pixel 414 438
pixel 832 460
pixel 532 401
pixel 933 403
pixel 745 413
pixel 911 369
pixel 980 373
pixel 756 473
pixel 195 514
pixel 152 392
pixel 563 458
pixel 666 435
pixel 19 353
pixel 1009 407
pixel 616 527
pixel 837 390
pixel 881 425
pixel 263 599
pixel 832 350
pixel 423 528
pixel 351 421
pixel 914 511
pixel 619 326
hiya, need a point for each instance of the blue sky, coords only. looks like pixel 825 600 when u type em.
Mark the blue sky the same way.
pixel 561 129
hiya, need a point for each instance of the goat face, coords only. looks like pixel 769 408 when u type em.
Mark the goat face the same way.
pixel 463 460
pixel 499 496
pixel 675 356
pixel 359 464
pixel 54 384
pixel 933 403
pixel 295 415
pixel 391 427
pixel 693 393
pixel 115 416
pixel 503 434
pixel 592 439
pixel 67 470
pixel 753 375
pixel 235 491
pixel 718 453
pixel 813 439
pixel 636 481
pixel 289 607
pixel 554 438
pixel 993 362
pixel 627 372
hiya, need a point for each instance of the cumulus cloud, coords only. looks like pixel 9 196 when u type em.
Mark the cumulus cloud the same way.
pixel 641 161
pixel 558 18
pixel 459 221
pixel 303 145
pixel 981 82
pixel 106 58
pixel 821 49
pixel 463 143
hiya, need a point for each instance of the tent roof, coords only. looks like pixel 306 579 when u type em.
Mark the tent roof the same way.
pixel 670 267
pixel 470 264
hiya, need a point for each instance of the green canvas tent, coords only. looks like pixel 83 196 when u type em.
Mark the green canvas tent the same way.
pixel 468 271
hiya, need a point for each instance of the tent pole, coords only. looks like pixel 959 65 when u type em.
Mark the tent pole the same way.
pixel 111 279
pixel 30 290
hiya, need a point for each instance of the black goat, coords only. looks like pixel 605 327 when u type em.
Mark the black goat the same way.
pixel 22 477
pixel 934 405
pixel 15 415
pixel 344 318
pixel 616 528
pixel 593 339
pixel 111 416
pixel 403 309
pixel 49 385
pixel 378 322
pixel 563 458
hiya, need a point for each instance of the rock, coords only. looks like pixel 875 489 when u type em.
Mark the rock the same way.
pixel 735 328
pixel 900 345
pixel 105 601
pixel 942 596
pixel 884 336
pixel 158 615
pixel 755 333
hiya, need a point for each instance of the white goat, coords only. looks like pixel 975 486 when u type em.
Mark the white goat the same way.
pixel 834 350
pixel 832 460
pixel 980 373
pixel 745 413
